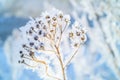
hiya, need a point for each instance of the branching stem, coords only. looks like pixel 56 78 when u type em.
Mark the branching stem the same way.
pixel 61 63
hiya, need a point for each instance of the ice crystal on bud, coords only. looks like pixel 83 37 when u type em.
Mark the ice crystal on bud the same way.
pixel 42 41
pixel 77 34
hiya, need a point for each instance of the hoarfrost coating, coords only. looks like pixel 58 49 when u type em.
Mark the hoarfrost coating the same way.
pixel 43 42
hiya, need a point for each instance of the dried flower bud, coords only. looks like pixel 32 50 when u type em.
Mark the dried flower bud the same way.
pixel 20 52
pixel 22 55
pixel 31 53
pixel 31 44
pixel 67 18
pixel 19 61
pixel 39 22
pixel 60 15
pixel 47 17
pixel 40 32
pixel 23 61
pixel 30 32
pixel 37 26
pixel 78 33
pixel 54 18
pixel 71 34
pixel 23 45
pixel 76 45
pixel 36 38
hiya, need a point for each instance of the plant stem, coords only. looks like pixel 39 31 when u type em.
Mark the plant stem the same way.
pixel 61 63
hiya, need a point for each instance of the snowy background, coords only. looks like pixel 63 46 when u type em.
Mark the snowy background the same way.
pixel 99 58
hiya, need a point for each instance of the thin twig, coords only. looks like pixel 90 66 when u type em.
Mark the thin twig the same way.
pixel 72 57
pixel 61 33
pixel 49 74
pixel 43 62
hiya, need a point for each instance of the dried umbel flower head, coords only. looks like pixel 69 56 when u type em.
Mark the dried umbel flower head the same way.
pixel 42 41
pixel 77 35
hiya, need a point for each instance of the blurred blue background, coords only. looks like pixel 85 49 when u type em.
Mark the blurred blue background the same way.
pixel 99 58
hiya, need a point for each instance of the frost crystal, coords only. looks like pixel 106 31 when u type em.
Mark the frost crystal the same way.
pixel 41 46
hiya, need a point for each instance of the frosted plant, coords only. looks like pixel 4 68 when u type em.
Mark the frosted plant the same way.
pixel 48 44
